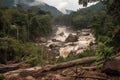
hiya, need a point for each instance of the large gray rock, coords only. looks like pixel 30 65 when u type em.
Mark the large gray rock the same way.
pixel 72 38
pixel 112 66
pixel 61 34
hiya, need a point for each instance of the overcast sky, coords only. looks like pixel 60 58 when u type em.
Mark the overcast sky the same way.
pixel 63 4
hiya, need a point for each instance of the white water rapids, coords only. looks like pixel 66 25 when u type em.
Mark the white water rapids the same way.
pixel 66 47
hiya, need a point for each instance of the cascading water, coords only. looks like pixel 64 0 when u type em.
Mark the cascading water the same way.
pixel 62 33
pixel 66 47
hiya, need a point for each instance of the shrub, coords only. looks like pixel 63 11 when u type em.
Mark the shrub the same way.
pixel 38 55
pixel 104 52
pixel 10 50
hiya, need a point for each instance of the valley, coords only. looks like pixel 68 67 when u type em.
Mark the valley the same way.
pixel 39 42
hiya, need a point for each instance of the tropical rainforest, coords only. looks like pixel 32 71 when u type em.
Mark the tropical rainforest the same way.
pixel 19 29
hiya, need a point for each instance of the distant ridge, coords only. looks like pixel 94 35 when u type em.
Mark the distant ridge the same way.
pixel 26 4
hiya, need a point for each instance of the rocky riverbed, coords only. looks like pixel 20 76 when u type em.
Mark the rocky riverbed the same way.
pixel 66 40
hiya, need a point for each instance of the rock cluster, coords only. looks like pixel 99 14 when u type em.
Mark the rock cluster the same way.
pixel 112 66
pixel 72 38
pixel 66 42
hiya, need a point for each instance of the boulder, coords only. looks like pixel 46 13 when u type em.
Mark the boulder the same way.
pixel 72 38
pixel 54 49
pixel 41 40
pixel 112 66
pixel 61 34
pixel 52 46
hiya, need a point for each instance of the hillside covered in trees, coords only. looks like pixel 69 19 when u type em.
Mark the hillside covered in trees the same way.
pixel 18 25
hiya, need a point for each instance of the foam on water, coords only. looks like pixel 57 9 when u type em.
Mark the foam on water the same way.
pixel 78 47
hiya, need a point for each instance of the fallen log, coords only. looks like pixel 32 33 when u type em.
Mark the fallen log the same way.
pixel 50 68
pixel 16 66
pixel 10 67
pixel 69 64
pixel 89 68
pixel 64 65
pixel 17 72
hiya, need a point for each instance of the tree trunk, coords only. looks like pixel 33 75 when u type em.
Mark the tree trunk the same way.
pixel 36 72
pixel 72 63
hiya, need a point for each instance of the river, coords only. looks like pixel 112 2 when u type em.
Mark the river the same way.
pixel 58 41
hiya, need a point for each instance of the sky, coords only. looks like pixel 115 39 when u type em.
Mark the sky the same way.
pixel 62 5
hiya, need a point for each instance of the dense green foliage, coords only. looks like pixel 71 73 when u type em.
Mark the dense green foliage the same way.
pixel 10 50
pixel 24 25
pixel 17 28
pixel 81 18
pixel 107 30
pixel 40 26
pixel 38 55
pixel 104 52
